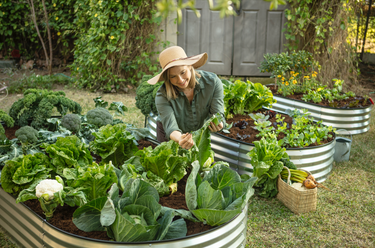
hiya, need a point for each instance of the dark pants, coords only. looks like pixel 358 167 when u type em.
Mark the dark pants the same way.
pixel 160 132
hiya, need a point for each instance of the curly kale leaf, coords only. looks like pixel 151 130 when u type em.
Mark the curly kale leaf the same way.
pixel 145 98
pixel 37 105
pixel 4 117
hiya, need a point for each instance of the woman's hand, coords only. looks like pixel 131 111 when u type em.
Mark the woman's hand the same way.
pixel 215 128
pixel 186 141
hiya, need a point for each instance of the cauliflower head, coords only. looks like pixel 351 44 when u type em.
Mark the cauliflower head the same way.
pixel 99 117
pixel 72 122
pixel 47 188
pixel 27 134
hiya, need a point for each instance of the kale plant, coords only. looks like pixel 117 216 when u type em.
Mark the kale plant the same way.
pixel 9 122
pixel 37 105
pixel 145 98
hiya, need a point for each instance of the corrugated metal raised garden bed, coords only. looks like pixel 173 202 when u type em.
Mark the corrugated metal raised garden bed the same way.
pixel 316 159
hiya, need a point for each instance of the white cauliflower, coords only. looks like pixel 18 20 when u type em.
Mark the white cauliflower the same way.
pixel 47 188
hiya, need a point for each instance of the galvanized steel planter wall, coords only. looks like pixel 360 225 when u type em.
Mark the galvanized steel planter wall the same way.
pixel 30 230
pixel 318 160
pixel 355 120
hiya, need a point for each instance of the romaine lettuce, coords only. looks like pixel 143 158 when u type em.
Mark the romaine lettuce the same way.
pixel 219 196
pixel 114 143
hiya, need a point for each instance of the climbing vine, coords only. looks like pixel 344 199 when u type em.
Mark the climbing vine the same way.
pixel 320 27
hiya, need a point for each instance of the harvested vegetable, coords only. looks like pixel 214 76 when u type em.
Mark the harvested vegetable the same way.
pixel 295 175
pixel 308 183
pixel 298 186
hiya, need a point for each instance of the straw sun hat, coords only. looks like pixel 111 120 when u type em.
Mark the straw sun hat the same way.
pixel 176 56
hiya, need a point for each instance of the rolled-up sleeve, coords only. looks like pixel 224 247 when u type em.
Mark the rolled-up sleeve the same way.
pixel 166 114
pixel 217 104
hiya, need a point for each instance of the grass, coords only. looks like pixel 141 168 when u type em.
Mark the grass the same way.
pixel 344 217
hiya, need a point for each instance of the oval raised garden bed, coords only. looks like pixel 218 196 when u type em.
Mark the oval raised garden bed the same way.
pixel 354 120
pixel 316 159
pixel 30 230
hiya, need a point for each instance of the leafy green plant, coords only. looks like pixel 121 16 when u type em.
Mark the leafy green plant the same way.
pixel 99 117
pixel 201 151
pixel 50 194
pixel 135 216
pixel 164 162
pixel 22 171
pixel 68 152
pixel 219 196
pixel 93 180
pixel 266 161
pixel 114 143
pixel 37 106
pixel 4 117
pixel 241 97
pixel 27 135
pixel 145 96
pixel 72 122
pixel 118 107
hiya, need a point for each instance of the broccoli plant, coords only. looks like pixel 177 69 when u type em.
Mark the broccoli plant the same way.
pixel 99 117
pixel 9 122
pixel 145 96
pixel 37 105
pixel 27 135
pixel 72 122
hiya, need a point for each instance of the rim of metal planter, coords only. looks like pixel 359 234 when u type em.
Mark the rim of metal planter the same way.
pixel 34 228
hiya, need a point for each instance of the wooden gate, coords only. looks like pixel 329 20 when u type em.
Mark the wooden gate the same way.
pixel 235 45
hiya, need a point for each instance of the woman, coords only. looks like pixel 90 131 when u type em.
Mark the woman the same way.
pixel 187 98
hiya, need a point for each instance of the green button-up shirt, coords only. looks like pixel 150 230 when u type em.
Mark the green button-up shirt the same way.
pixel 179 115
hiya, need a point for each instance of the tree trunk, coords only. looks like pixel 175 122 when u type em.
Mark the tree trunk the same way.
pixel 364 37
pixel 33 17
pixel 49 62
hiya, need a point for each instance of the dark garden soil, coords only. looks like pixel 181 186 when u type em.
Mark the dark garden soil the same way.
pixel 351 102
pixel 243 130
pixel 62 217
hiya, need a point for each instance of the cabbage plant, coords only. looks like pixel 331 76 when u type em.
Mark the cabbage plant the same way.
pixel 135 216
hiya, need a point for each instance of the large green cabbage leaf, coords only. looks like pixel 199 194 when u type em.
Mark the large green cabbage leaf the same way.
pixel 135 216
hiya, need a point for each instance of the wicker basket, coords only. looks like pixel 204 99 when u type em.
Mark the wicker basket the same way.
pixel 297 201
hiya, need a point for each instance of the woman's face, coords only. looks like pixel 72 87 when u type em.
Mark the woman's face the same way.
pixel 180 76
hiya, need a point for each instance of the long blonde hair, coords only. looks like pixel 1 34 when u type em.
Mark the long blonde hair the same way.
pixel 172 90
